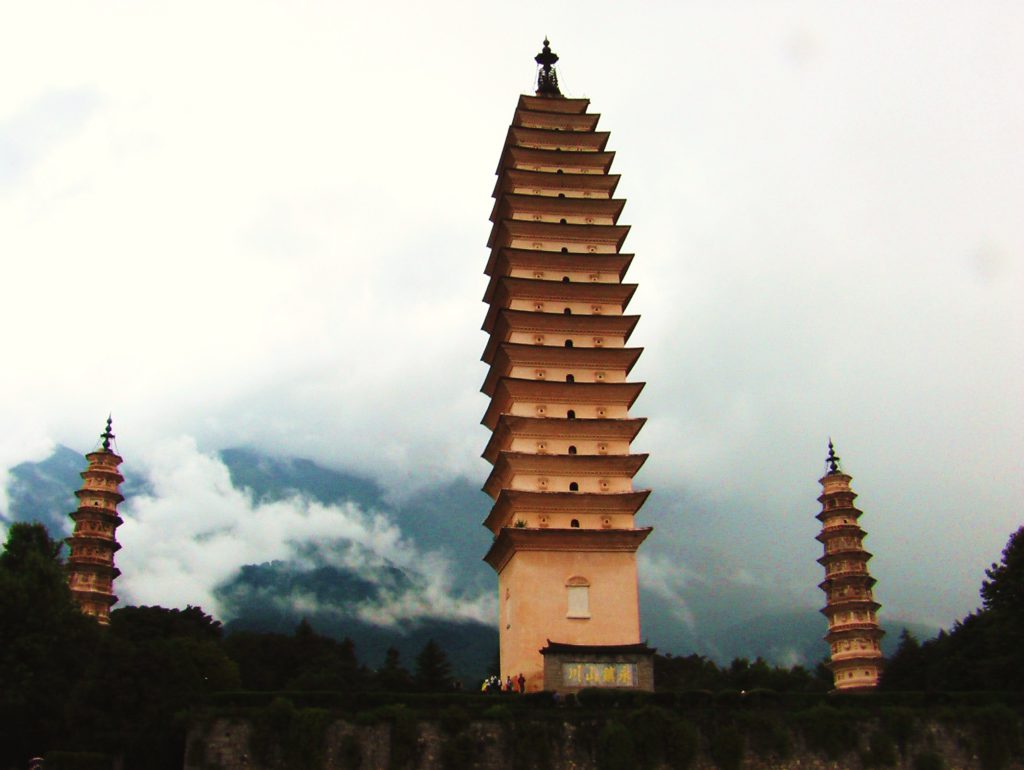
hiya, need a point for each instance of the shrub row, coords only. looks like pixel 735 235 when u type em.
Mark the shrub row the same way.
pixel 77 760
pixel 608 698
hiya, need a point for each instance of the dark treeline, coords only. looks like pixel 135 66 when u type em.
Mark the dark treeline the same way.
pixel 126 689
pixel 695 672
pixel 984 651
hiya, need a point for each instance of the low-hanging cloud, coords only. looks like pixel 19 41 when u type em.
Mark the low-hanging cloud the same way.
pixel 827 233
pixel 195 530
pixel 668 579
pixel 40 127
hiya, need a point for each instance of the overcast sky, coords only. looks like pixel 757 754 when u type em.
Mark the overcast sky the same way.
pixel 264 224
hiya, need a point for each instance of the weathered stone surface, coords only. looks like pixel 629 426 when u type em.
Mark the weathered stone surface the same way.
pixel 228 744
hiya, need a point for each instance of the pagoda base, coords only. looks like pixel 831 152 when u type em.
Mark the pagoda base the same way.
pixel 569 668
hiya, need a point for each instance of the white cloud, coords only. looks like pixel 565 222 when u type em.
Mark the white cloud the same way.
pixel 789 657
pixel 195 530
pixel 266 227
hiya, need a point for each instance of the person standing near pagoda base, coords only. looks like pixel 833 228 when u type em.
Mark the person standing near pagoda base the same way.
pixel 522 683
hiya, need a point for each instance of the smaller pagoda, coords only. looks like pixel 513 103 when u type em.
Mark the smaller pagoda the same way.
pixel 90 567
pixel 853 632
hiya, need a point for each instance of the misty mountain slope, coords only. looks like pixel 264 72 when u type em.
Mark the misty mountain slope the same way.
pixel 44 491
pixel 795 636
pixel 450 517
pixel 442 588
pixel 276 478
pixel 446 517
pixel 340 602
pixel 721 622
pixel 737 623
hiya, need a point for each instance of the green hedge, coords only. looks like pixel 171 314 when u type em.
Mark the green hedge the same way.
pixel 77 760
pixel 363 701
pixel 603 698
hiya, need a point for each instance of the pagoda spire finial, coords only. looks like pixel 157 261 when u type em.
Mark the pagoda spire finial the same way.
pixel 547 78
pixel 833 459
pixel 107 435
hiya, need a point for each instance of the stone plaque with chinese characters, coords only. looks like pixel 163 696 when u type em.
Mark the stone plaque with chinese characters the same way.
pixel 599 674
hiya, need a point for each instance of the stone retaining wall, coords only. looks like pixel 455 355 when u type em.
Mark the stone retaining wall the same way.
pixel 226 743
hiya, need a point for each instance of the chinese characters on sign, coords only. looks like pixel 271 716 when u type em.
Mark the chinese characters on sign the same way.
pixel 599 674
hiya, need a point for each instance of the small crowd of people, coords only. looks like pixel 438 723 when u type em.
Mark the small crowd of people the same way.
pixel 494 684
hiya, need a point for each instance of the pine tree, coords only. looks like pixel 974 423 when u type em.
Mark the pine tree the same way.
pixel 322 663
pixel 392 676
pixel 44 643
pixel 1003 592
pixel 985 650
pixel 907 668
pixel 433 671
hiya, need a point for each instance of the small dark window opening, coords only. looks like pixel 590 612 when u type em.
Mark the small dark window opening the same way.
pixel 565 279
pixel 568 343
pixel 567 311
pixel 565 249
pixel 563 221
pixel 570 378
pixel 575 523
pixel 571 414
pixel 572 450
pixel 574 486
pixel 561 195
pixel 559 171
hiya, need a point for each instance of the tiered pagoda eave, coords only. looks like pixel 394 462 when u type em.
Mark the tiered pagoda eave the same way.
pixel 565 538
pixel 559 540
pixel 93 542
pixel 854 635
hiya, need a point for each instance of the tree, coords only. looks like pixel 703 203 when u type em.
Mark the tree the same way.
pixel 265 661
pixel 141 623
pixel 152 664
pixel 907 668
pixel 304 661
pixel 693 672
pixel 1003 592
pixel 44 643
pixel 27 542
pixel 323 663
pixel 823 675
pixel 433 671
pixel 985 650
pixel 392 677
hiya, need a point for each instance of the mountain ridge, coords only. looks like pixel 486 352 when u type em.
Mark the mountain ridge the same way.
pixel 340 601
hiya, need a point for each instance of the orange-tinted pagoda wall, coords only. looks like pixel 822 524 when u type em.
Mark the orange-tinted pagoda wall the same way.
pixel 565 539
pixel 90 566
pixel 853 633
